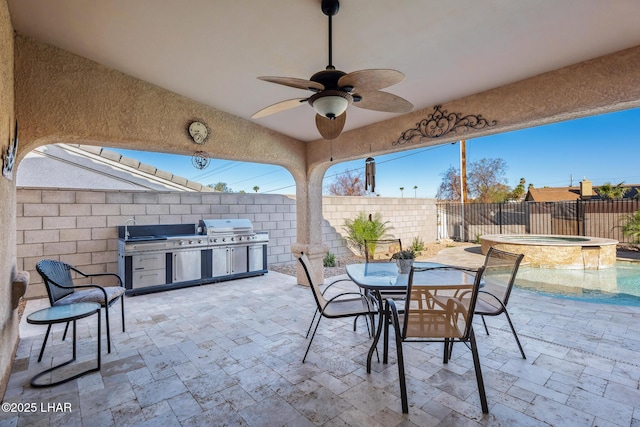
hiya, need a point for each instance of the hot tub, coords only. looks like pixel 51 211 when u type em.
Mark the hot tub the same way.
pixel 556 251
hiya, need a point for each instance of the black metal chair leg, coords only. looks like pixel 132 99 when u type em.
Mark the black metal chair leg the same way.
pixel 66 328
pixel 311 324
pixel 44 343
pixel 485 325
pixel 122 303
pixel 311 340
pixel 401 373
pixel 515 335
pixel 106 315
pixel 478 369
pixel 445 357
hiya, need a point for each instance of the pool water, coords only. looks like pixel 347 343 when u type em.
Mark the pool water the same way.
pixel 619 285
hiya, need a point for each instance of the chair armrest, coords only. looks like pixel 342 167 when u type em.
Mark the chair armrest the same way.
pixel 96 274
pixel 390 307
pixel 494 297
pixel 335 297
pixel 334 282
pixel 455 309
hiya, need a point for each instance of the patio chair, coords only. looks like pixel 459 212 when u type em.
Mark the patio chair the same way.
pixel 344 304
pixel 499 276
pixel 445 319
pixel 61 290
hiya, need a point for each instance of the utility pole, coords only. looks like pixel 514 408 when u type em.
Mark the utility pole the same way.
pixel 463 170
pixel 463 182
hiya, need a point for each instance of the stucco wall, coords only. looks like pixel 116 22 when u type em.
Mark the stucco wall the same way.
pixel 79 226
pixel 8 316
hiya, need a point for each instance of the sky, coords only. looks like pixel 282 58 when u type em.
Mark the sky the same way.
pixel 601 148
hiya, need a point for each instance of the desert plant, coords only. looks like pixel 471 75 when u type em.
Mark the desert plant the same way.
pixel 417 245
pixel 631 226
pixel 405 254
pixel 329 260
pixel 365 227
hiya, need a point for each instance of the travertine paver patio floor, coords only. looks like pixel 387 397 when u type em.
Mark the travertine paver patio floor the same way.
pixel 230 354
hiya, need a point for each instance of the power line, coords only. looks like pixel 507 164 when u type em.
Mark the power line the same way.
pixel 393 159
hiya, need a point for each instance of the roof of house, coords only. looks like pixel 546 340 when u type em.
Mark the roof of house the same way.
pixel 87 167
pixel 559 194
pixel 553 194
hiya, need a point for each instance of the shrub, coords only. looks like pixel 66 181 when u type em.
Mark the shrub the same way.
pixel 631 227
pixel 366 228
pixel 329 260
pixel 417 245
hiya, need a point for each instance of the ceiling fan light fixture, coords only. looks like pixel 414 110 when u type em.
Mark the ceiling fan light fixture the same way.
pixel 330 103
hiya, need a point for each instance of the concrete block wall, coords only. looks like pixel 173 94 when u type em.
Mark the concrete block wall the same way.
pixel 409 217
pixel 80 227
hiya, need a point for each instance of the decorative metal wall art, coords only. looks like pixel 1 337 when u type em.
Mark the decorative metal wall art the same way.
pixel 440 123
pixel 9 158
pixel 200 159
pixel 199 133
pixel 370 174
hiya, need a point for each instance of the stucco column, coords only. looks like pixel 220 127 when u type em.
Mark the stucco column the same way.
pixel 309 225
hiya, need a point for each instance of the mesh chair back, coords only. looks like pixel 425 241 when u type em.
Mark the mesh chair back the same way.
pixel 439 311
pixel 500 273
pixel 315 287
pixel 55 273
pixel 381 250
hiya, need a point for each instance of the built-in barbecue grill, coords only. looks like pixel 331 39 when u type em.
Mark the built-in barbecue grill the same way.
pixel 167 256
pixel 230 231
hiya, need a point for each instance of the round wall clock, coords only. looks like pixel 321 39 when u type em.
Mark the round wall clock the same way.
pixel 198 132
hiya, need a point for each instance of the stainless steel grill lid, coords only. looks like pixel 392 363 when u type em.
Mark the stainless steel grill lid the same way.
pixel 226 226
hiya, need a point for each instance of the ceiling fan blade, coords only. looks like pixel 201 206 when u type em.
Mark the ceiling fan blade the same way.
pixel 294 82
pixel 369 80
pixel 278 107
pixel 383 101
pixel 330 129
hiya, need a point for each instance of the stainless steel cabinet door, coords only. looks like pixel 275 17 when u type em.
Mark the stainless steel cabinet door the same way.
pixel 256 259
pixel 239 258
pixel 187 266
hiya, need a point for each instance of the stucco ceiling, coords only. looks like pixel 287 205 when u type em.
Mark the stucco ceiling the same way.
pixel 213 50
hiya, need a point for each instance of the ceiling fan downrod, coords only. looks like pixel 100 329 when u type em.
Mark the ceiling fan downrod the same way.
pixel 330 8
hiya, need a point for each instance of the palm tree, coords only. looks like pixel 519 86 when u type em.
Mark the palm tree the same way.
pixel 415 191
pixel 631 227
pixel 256 188
pixel 401 191
pixel 608 191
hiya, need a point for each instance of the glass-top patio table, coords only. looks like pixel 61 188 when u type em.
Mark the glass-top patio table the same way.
pixel 64 314
pixel 380 277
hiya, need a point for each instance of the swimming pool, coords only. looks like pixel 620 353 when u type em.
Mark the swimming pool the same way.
pixel 619 285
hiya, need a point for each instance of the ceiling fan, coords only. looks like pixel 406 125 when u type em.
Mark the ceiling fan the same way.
pixel 335 90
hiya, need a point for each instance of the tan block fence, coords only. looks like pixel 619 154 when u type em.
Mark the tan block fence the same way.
pixel 80 227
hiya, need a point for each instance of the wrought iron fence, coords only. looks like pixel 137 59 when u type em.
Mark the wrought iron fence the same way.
pixel 595 218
